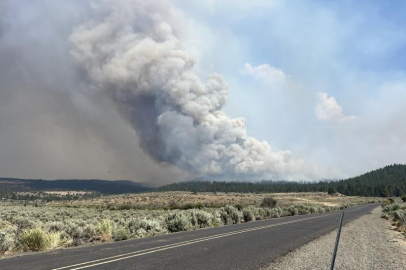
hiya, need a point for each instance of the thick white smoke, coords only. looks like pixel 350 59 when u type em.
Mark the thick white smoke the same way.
pixel 136 52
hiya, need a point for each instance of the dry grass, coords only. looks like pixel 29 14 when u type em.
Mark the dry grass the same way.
pixel 167 199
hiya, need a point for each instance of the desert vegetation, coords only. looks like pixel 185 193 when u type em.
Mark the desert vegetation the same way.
pixel 33 227
pixel 395 211
pixel 190 200
pixel 46 196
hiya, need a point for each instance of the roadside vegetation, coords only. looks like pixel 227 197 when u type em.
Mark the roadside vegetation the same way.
pixel 395 211
pixel 38 227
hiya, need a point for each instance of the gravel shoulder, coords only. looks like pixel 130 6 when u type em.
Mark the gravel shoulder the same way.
pixel 368 242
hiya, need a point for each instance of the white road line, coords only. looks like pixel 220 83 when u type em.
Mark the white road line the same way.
pixel 180 244
pixel 151 250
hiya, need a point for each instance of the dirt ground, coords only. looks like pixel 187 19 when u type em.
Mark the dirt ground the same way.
pixel 367 243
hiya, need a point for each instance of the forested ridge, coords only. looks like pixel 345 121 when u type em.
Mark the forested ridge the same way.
pixel 384 182
pixel 102 186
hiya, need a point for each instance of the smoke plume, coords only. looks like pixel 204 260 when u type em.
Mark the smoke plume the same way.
pixel 137 53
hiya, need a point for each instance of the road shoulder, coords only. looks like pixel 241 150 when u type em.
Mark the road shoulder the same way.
pixel 368 242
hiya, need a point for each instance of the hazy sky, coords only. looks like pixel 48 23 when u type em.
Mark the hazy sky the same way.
pixel 323 79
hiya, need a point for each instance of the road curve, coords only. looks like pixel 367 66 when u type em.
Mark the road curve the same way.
pixel 241 246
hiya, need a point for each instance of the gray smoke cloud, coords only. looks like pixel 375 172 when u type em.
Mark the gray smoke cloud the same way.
pixel 77 78
pixel 137 53
pixel 52 125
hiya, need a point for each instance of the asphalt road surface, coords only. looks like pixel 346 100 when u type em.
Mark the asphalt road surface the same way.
pixel 242 246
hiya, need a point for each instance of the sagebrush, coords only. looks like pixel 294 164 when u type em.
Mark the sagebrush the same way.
pixel 31 228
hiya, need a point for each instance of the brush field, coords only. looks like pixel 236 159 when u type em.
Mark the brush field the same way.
pixel 181 199
pixel 38 226
pixel 395 211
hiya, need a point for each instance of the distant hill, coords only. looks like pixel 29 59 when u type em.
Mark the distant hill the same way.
pixel 384 182
pixel 102 186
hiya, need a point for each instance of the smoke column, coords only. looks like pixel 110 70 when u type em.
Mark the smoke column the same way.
pixel 136 52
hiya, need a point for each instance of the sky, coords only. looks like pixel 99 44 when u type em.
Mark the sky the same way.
pixel 323 81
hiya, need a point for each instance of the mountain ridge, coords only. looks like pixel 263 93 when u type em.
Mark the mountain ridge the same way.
pixel 102 186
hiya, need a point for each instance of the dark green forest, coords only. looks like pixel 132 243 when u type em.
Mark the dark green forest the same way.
pixel 384 182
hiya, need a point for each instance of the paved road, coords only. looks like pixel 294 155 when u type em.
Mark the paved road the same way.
pixel 242 246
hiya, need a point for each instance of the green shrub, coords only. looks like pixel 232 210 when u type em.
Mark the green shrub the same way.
pixel 302 209
pixel 276 213
pixel 320 209
pixel 65 239
pixel 395 206
pixel 260 213
pixel 134 225
pixel 177 222
pixel 217 221
pixel 268 202
pixel 399 216
pixel 346 205
pixel 385 216
pixel 6 241
pixel 392 207
pixel 200 218
pixel 23 223
pixel 140 227
pixel 73 230
pixel 56 226
pixel 230 215
pixel 104 230
pixel 150 225
pixel 54 239
pixel 248 214
pixel 90 231
pixel 126 206
pixel 34 240
pixel 111 207
pixel 267 212
pixel 331 191
pixel 121 234
pixel 292 210
pixel 386 203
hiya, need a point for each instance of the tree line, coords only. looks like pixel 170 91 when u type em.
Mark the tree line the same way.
pixel 102 186
pixel 384 182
